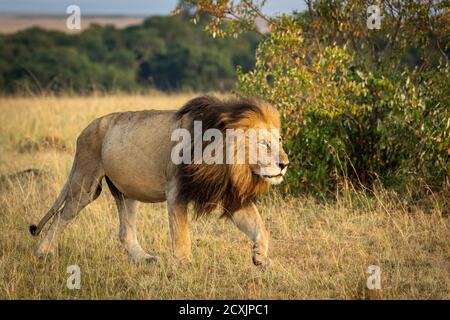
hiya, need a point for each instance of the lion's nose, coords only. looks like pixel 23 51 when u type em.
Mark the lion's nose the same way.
pixel 283 165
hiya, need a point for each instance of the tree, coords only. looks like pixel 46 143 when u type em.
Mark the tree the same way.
pixel 190 68
pixel 353 99
pixel 168 53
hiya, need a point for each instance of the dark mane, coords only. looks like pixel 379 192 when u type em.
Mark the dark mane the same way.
pixel 211 110
pixel 228 186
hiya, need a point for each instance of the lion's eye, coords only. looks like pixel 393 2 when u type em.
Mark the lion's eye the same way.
pixel 264 143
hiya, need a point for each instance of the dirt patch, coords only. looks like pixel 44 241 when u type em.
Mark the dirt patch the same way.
pixel 22 175
pixel 41 144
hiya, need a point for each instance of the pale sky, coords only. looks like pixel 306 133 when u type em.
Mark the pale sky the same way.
pixel 123 7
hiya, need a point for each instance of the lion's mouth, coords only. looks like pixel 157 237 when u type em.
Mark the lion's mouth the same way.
pixel 273 176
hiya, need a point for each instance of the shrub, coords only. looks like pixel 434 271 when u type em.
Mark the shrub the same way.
pixel 357 104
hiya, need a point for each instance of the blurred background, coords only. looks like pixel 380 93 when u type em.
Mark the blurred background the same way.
pixel 362 85
pixel 122 45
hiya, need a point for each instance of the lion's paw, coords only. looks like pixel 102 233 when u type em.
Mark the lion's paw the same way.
pixel 151 259
pixel 44 250
pixel 262 262
pixel 146 258
pixel 184 260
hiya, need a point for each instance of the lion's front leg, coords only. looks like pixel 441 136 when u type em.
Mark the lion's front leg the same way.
pixel 179 227
pixel 179 231
pixel 248 220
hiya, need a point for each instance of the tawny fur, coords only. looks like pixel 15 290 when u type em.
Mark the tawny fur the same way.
pixel 229 186
pixel 132 151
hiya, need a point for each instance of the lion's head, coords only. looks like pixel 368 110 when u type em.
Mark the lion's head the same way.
pixel 251 155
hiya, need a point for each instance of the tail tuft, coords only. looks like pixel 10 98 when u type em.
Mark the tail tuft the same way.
pixel 33 229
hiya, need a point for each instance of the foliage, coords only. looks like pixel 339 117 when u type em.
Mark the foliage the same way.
pixel 357 103
pixel 166 53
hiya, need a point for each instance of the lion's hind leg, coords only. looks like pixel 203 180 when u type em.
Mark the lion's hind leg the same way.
pixel 127 233
pixel 83 186
pixel 81 192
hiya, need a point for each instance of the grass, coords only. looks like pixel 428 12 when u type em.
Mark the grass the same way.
pixel 320 249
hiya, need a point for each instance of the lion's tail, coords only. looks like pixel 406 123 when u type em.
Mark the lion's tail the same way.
pixel 36 229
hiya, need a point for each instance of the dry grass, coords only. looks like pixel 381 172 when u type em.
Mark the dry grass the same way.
pixel 319 250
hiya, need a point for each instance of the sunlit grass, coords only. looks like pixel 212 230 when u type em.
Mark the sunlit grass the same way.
pixel 319 249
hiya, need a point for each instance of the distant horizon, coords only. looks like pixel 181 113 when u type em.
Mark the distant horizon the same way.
pixel 57 15
pixel 118 8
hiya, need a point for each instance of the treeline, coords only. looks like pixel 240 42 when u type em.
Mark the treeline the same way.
pixel 166 53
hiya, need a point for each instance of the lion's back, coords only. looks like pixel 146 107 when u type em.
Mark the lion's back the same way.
pixel 135 152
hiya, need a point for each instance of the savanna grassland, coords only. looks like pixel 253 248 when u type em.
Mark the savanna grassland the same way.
pixel 320 248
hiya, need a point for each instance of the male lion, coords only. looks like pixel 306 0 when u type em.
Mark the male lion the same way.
pixel 132 151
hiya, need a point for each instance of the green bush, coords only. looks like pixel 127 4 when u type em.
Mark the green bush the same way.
pixel 359 105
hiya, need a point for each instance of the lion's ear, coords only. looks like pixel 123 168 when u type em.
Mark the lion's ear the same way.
pixel 225 120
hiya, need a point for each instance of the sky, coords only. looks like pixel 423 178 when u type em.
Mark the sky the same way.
pixel 123 7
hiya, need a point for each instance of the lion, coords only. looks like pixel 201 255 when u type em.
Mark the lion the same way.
pixel 132 152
